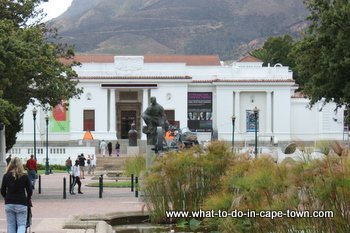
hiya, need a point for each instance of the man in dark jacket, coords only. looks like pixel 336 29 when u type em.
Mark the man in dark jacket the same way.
pixel 82 165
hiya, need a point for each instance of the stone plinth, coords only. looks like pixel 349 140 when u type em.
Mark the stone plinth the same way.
pixel 149 156
pixel 132 150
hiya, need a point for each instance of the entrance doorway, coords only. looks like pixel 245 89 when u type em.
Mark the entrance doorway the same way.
pixel 127 118
pixel 127 113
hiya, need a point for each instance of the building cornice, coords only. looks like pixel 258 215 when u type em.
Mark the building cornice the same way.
pixel 133 77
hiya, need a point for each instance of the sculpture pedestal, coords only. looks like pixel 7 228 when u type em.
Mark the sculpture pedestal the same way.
pixel 149 156
pixel 132 150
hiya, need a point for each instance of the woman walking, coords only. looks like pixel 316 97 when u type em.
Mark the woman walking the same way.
pixel 16 189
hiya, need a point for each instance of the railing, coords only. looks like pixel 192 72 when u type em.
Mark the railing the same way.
pixel 56 155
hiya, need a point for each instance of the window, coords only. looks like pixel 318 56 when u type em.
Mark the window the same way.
pixel 89 120
pixel 170 115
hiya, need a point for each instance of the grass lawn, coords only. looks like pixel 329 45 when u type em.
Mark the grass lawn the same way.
pixel 112 184
pixel 42 172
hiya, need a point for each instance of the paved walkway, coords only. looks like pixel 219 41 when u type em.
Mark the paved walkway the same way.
pixel 51 211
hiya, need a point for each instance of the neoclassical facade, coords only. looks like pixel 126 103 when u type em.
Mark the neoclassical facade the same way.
pixel 198 92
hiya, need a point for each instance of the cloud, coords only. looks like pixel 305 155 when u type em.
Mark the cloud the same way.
pixel 54 8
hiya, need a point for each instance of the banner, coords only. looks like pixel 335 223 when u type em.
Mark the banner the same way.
pixel 250 119
pixel 59 120
pixel 200 110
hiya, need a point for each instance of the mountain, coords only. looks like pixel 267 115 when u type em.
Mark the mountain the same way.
pixel 225 27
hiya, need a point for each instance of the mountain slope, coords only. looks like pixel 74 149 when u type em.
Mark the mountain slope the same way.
pixel 224 27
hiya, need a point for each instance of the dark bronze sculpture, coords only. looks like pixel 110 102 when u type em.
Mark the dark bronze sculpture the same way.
pixel 132 134
pixel 154 116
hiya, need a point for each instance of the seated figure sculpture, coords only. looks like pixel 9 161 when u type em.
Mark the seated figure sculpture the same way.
pixel 154 116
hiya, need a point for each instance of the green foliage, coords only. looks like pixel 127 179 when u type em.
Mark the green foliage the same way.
pixel 276 50
pixel 135 165
pixel 112 184
pixel 30 66
pixel 52 166
pixel 181 180
pixel 322 57
pixel 261 184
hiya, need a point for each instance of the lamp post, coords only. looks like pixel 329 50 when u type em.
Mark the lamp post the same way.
pixel 34 118
pixel 233 132
pixel 256 111
pixel 47 146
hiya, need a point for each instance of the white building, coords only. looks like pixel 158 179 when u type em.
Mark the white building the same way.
pixel 198 92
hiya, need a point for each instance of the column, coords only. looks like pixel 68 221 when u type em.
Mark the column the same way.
pixel 237 111
pixel 145 104
pixel 268 111
pixel 112 112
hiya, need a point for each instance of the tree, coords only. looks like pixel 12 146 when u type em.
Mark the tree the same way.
pixel 322 57
pixel 30 67
pixel 276 50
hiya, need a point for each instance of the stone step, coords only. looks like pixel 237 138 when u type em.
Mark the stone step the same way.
pixel 110 163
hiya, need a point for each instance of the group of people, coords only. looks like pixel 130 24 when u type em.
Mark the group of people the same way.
pixel 78 170
pixel 104 147
pixel 17 189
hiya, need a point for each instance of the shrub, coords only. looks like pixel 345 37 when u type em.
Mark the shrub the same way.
pixel 181 180
pixel 135 165
pixel 264 185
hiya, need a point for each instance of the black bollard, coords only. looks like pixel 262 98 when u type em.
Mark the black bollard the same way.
pixel 101 176
pixel 132 182
pixel 39 188
pixel 64 188
pixel 136 186
pixel 100 186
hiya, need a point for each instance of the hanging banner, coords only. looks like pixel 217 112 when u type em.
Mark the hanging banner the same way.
pixel 59 120
pixel 250 120
pixel 200 109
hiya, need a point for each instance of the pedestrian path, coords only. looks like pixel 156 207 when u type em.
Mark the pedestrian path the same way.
pixel 51 212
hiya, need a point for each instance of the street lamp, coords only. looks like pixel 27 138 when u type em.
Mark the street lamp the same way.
pixel 233 132
pixel 34 118
pixel 47 146
pixel 256 111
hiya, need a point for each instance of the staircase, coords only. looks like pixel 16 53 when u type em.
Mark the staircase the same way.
pixel 110 164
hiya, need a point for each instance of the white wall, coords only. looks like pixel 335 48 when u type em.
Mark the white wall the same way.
pixel 281 114
pixel 98 103
pixel 173 96
pixel 224 112
pixel 313 124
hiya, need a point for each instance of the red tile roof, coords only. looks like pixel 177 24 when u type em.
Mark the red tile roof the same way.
pixel 94 58
pixel 299 95
pixel 191 60
pixel 249 58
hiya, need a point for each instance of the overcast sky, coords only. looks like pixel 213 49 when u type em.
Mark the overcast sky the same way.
pixel 54 8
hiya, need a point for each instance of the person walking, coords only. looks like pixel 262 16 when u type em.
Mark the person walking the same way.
pixel 117 149
pixel 16 189
pixel 93 164
pixel 82 165
pixel 76 178
pixel 109 146
pixel 88 161
pixel 68 165
pixel 32 169
pixel 103 146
